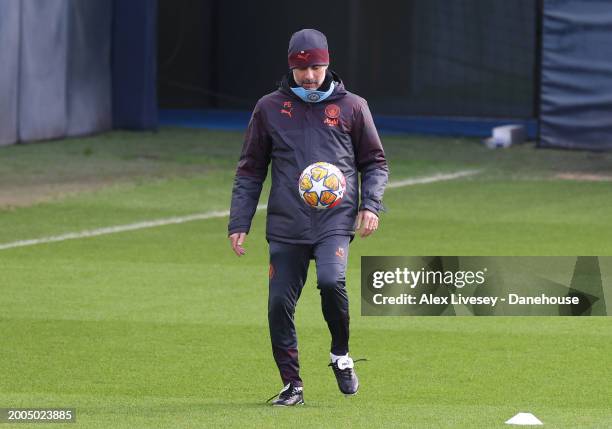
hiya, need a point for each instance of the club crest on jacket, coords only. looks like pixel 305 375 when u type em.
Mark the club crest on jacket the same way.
pixel 332 113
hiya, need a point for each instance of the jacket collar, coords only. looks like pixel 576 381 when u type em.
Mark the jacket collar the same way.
pixel 339 90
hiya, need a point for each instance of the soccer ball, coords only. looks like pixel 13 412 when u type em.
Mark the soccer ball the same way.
pixel 322 185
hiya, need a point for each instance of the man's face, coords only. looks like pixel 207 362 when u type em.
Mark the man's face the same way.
pixel 309 77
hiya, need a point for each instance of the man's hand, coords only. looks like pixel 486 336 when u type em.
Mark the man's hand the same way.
pixel 237 239
pixel 367 221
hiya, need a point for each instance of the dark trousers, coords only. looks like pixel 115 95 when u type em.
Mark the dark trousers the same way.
pixel 288 271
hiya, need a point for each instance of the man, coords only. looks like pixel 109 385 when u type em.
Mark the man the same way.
pixel 311 117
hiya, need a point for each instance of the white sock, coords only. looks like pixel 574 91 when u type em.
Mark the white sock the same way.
pixel 334 357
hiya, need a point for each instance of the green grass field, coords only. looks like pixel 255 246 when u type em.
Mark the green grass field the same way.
pixel 166 328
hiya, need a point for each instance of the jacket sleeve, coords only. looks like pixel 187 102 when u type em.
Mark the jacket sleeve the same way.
pixel 250 174
pixel 370 159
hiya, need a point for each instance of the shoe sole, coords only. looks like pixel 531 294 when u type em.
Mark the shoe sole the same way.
pixel 287 406
pixel 351 394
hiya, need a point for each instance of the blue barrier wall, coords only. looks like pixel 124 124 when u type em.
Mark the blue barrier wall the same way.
pixel 237 120
pixel 55 79
pixel 10 23
pixel 134 65
pixel 74 67
pixel 576 76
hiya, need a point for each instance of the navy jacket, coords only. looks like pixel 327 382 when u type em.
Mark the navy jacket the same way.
pixel 293 134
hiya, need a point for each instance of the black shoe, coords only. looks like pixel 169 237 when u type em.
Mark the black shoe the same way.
pixel 289 396
pixel 344 370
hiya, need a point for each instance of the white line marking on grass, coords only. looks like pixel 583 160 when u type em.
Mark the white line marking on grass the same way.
pixel 120 228
pixel 431 179
pixel 201 216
